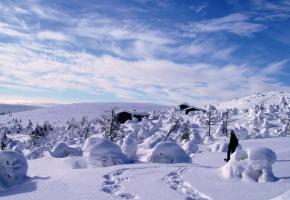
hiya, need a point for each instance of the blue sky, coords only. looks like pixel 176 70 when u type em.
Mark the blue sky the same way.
pixel 164 51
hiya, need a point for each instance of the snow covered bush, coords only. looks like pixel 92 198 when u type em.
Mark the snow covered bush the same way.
pixel 262 153
pixel 37 153
pixel 190 147
pixel 143 133
pixel 220 146
pixel 101 152
pixel 153 140
pixel 254 165
pixel 169 152
pixel 241 132
pixel 208 140
pixel 129 146
pixel 62 150
pixel 13 169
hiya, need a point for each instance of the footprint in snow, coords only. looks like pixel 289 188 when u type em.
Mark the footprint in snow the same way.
pixel 175 181
pixel 113 185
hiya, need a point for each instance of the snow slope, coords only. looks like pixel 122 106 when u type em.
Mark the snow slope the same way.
pixel 271 97
pixel 59 114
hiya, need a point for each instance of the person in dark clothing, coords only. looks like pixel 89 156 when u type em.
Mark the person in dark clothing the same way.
pixel 232 145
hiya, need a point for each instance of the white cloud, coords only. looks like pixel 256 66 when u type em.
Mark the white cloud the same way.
pixel 234 23
pixel 137 73
pixel 51 35
pixel 271 10
pixel 275 68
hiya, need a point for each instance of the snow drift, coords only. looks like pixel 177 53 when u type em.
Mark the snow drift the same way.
pixel 220 146
pixel 190 147
pixel 169 152
pixel 253 165
pixel 100 152
pixel 62 150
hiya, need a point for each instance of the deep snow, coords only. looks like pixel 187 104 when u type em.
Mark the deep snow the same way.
pixel 53 178
pixel 198 175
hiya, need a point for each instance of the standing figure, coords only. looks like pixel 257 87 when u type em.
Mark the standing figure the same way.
pixel 232 145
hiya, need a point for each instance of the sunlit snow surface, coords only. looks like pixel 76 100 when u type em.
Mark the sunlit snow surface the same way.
pixel 71 177
pixel 53 178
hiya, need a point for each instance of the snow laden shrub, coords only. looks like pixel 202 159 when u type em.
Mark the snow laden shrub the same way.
pixel 129 146
pixel 195 136
pixel 235 111
pixel 143 133
pixel 190 147
pixel 62 150
pixel 253 165
pixel 153 140
pixel 220 146
pixel 208 140
pixel 13 169
pixel 241 132
pixel 101 152
pixel 39 135
pixel 37 153
pixel 284 131
pixel 169 152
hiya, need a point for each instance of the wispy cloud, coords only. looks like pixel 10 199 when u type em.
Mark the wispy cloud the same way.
pixel 50 35
pixel 50 52
pixel 271 10
pixel 234 23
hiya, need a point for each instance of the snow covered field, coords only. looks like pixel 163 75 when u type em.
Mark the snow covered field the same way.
pixel 59 114
pixel 55 178
pixel 77 159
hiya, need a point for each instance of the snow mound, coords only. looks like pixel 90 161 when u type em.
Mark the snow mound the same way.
pixel 262 153
pixel 13 169
pixel 153 140
pixel 220 146
pixel 100 152
pixel 62 150
pixel 37 153
pixel 253 165
pixel 169 152
pixel 190 147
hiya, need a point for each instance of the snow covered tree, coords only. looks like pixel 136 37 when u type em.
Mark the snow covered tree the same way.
pixel 225 122
pixel 173 128
pixel 210 118
pixel 39 134
pixel 283 102
pixel 3 141
pixel 185 130
pixel 110 125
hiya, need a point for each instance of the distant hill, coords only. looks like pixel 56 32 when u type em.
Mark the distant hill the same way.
pixel 12 108
pixel 59 114
pixel 271 97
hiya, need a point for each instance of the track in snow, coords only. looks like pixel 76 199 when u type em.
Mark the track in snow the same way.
pixel 113 185
pixel 175 181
